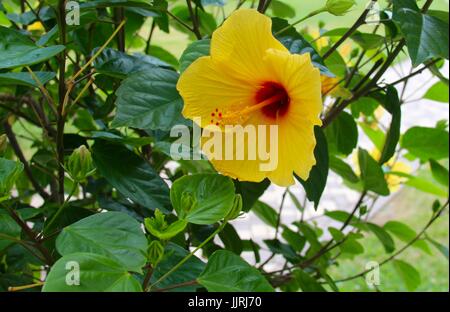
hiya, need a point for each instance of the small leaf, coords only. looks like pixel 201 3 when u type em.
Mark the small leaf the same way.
pixel 440 173
pixel 265 213
pixel 438 92
pixel 17 49
pixel 193 52
pixel 306 282
pixel 426 36
pixel 410 276
pixel 384 237
pixel 226 272
pixel 315 185
pixel 392 104
pixel 25 79
pixel 371 174
pixel 342 134
pixel 343 169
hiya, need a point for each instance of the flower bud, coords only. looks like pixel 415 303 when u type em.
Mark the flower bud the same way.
pixel 9 172
pixel 237 208
pixel 188 201
pixel 80 165
pixel 339 7
pixel 3 143
pixel 155 252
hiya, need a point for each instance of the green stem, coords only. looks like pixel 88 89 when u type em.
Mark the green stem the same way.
pixel 61 208
pixel 210 237
pixel 313 13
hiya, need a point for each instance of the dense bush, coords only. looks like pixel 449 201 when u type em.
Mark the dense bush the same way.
pixel 94 196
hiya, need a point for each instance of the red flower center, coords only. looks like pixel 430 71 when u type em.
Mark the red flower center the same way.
pixel 274 90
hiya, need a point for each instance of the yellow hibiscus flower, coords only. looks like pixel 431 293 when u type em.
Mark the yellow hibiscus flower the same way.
pixel 250 78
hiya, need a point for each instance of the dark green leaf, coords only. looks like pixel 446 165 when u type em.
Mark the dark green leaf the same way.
pixel 136 179
pixel 16 50
pixel 193 52
pixel 296 44
pixel 306 282
pixel 440 173
pixel 392 104
pixel 372 175
pixel 384 237
pixel 315 185
pixel 149 100
pixel 342 134
pixel 426 36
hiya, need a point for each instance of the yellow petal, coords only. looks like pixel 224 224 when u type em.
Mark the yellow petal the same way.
pixel 242 41
pixel 207 89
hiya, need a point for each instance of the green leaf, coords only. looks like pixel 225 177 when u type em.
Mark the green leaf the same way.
pixel 250 192
pixel 296 44
pixel 265 213
pixel 112 234
pixel 377 136
pixel 149 100
pixel 231 240
pixel 315 185
pixel 120 65
pixel 25 79
pixel 440 173
pixel 17 49
pixel 368 41
pixel 202 198
pixel 8 227
pixel 443 249
pixel 392 105
pixel 283 249
pixel 306 282
pixel 383 236
pixel 405 234
pixel 422 184
pixel 342 134
pixel 438 92
pixel 136 180
pixel 343 169
pixel 158 226
pixel 426 36
pixel 372 175
pixel 348 244
pixel 164 55
pixel 294 239
pixel 282 10
pixel 96 273
pixel 193 52
pixel 364 105
pixel 426 143
pixel 187 272
pixel 409 275
pixel 226 272
pixel 9 172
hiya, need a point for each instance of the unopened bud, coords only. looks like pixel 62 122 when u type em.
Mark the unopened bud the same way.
pixel 155 252
pixel 339 7
pixel 237 208
pixel 188 202
pixel 80 165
